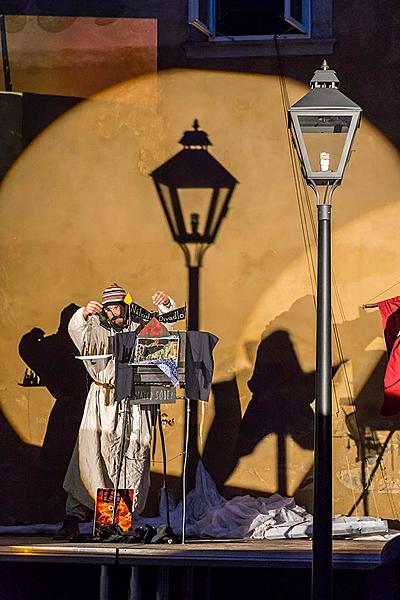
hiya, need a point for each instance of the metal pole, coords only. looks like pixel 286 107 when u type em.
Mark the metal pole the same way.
pixel 162 591
pixel 194 285
pixel 4 52
pixel 135 592
pixel 104 583
pixel 322 528
pixel 193 452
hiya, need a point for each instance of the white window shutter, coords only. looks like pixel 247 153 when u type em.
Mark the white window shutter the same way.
pixel 304 24
pixel 194 17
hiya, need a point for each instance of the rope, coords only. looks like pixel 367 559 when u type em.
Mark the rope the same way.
pixel 383 292
pixel 297 180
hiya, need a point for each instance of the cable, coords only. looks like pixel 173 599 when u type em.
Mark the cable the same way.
pixel 380 293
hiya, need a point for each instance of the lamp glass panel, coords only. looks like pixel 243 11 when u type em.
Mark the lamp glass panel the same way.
pixel 324 138
pixel 166 194
pixel 195 201
pixel 219 206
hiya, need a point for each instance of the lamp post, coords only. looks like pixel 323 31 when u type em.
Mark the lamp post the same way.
pixel 323 124
pixel 194 190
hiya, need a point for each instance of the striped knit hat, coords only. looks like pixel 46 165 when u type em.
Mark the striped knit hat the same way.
pixel 113 294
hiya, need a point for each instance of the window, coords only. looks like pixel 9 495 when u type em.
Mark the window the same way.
pixel 250 19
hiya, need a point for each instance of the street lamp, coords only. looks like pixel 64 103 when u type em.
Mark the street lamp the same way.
pixel 323 125
pixel 194 190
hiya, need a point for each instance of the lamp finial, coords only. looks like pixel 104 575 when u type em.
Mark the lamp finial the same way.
pixel 325 66
pixel 195 138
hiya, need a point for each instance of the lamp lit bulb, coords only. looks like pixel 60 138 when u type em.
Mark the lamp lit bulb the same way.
pixel 324 161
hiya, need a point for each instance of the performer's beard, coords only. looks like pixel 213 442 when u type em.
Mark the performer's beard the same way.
pixel 118 321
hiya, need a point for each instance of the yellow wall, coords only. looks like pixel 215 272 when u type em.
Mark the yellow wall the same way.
pixel 78 211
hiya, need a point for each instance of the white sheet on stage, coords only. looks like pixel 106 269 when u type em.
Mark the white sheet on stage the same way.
pixel 210 515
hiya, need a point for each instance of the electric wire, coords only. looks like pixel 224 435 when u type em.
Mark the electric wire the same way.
pixel 383 292
pixel 297 180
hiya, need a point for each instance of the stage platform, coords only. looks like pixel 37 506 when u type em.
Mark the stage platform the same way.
pixel 347 554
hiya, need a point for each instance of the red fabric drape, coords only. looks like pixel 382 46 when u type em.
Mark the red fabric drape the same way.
pixel 390 315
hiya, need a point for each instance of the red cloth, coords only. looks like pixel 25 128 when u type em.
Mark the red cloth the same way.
pixel 390 315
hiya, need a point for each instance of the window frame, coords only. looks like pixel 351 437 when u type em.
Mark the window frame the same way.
pixel 209 28
pixel 320 22
pixel 305 26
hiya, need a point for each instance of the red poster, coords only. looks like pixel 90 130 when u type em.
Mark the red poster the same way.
pixel 105 505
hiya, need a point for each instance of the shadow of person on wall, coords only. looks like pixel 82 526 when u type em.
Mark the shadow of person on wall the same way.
pixel 52 358
pixel 219 453
pixel 282 394
pixel 281 402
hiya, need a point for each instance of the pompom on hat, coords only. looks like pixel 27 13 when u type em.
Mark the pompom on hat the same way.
pixel 113 294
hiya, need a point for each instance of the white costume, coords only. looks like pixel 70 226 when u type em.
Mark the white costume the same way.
pixel 94 462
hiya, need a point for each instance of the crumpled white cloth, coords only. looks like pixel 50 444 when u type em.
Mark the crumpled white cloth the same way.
pixel 210 515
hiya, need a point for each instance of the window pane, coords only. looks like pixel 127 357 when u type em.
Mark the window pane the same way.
pixel 324 138
pixel 296 10
pixel 251 17
pixel 195 205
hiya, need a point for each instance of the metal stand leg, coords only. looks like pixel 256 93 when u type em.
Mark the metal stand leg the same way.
pixel 164 455
pixel 185 461
pixel 162 591
pixel 208 584
pixel 188 583
pixel 104 583
pixel 120 458
pixel 135 591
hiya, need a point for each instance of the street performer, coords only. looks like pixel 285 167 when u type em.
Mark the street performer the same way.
pixel 94 462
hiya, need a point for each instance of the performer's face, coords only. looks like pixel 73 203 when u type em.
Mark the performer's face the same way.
pixel 115 314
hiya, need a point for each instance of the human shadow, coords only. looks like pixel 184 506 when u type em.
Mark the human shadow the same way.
pixel 281 397
pixel 282 394
pixel 52 359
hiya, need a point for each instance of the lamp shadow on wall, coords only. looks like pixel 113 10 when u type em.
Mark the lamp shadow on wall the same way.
pixel 282 394
pixel 52 359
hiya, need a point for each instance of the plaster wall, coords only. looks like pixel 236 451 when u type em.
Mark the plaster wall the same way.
pixel 79 211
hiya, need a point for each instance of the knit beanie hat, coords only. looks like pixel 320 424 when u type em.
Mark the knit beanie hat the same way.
pixel 113 294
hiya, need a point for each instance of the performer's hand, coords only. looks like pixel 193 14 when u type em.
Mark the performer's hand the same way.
pixel 160 298
pixel 92 308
